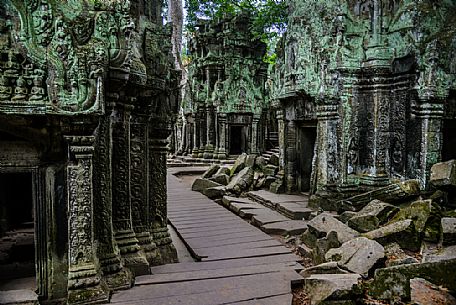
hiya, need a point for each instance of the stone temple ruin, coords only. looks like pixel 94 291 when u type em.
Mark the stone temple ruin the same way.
pixel 86 106
pixel 225 105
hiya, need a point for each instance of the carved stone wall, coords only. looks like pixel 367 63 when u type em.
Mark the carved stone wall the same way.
pixel 376 75
pixel 80 94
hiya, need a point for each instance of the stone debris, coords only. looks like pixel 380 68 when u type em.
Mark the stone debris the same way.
pixel 241 181
pixel 326 287
pixel 403 232
pixel 443 175
pixel 288 227
pixel 448 230
pixel 371 216
pixel 200 184
pixel 423 292
pixel 222 179
pixel 396 256
pixel 324 268
pixel 238 165
pixel 215 192
pixel 358 255
pixel 211 171
pixel 325 222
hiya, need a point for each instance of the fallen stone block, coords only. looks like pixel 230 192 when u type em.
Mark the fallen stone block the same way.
pixel 371 216
pixel 402 232
pixel 324 268
pixel 274 160
pixel 324 223
pixel 200 184
pixel 250 160
pixel 260 162
pixel 394 193
pixel 211 171
pixel 241 181
pixel 423 292
pixel 296 211
pixel 443 175
pixel 439 254
pixel 267 216
pixel 222 179
pixel 270 170
pixel 289 227
pixel 323 245
pixel 327 287
pixel 393 283
pixel 396 256
pixel 215 192
pixel 238 165
pixel 223 170
pixel 448 230
pixel 358 255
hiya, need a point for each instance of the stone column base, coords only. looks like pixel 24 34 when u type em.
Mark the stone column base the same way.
pixel 131 253
pixel 85 286
pixel 115 275
pixel 164 243
pixel 208 151
pixel 149 248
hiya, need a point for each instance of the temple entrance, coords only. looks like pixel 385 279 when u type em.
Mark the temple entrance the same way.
pixel 305 150
pixel 17 236
pixel 449 140
pixel 238 139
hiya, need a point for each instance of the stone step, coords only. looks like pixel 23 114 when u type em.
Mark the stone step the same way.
pixel 23 297
pixel 289 227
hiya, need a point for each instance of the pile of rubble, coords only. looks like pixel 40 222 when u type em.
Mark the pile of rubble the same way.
pixel 395 244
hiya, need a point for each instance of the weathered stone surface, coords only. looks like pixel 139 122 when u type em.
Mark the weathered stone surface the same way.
pixel 358 255
pixel 238 165
pixel 324 268
pixel 250 160
pixel 322 245
pixel 211 171
pixel 229 199
pixel 345 216
pixel 271 170
pixel 324 223
pixel 396 256
pixel 443 175
pixel 241 181
pixel 403 232
pixel 289 227
pixel 260 162
pixel 294 210
pixel 438 255
pixel 448 230
pixel 423 292
pixel 267 216
pixel 215 192
pixel 223 170
pixel 222 179
pixel 394 193
pixel 393 283
pixel 321 287
pixel 371 216
pixel 199 185
pixel 274 160
pixel 23 297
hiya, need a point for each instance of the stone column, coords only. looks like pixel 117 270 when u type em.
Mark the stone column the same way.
pixel 114 273
pixel 278 186
pixel 124 234
pixel 84 280
pixel 202 131
pixel 209 149
pixel 158 218
pixel 216 134
pixel 290 168
pixel 196 137
pixel 222 153
pixel 255 134
pixel 325 162
pixel 428 114
pixel 139 186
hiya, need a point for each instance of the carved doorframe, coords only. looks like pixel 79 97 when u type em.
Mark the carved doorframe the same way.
pixel 40 221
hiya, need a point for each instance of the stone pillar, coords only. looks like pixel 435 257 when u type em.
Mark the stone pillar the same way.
pixel 124 234
pixel 216 135
pixel 290 168
pixel 325 162
pixel 114 273
pixel 222 153
pixel 209 149
pixel 429 114
pixel 84 281
pixel 255 135
pixel 196 137
pixel 139 186
pixel 202 132
pixel 278 186
pixel 158 218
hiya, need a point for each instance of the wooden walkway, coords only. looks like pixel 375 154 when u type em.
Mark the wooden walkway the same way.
pixel 238 263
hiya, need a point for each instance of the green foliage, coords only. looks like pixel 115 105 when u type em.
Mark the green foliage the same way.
pixel 269 16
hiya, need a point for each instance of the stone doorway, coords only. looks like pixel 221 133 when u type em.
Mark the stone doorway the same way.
pixel 17 231
pixel 305 151
pixel 449 140
pixel 238 139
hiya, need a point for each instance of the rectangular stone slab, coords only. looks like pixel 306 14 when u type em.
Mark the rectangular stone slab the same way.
pixel 267 216
pixel 294 210
pixel 290 227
